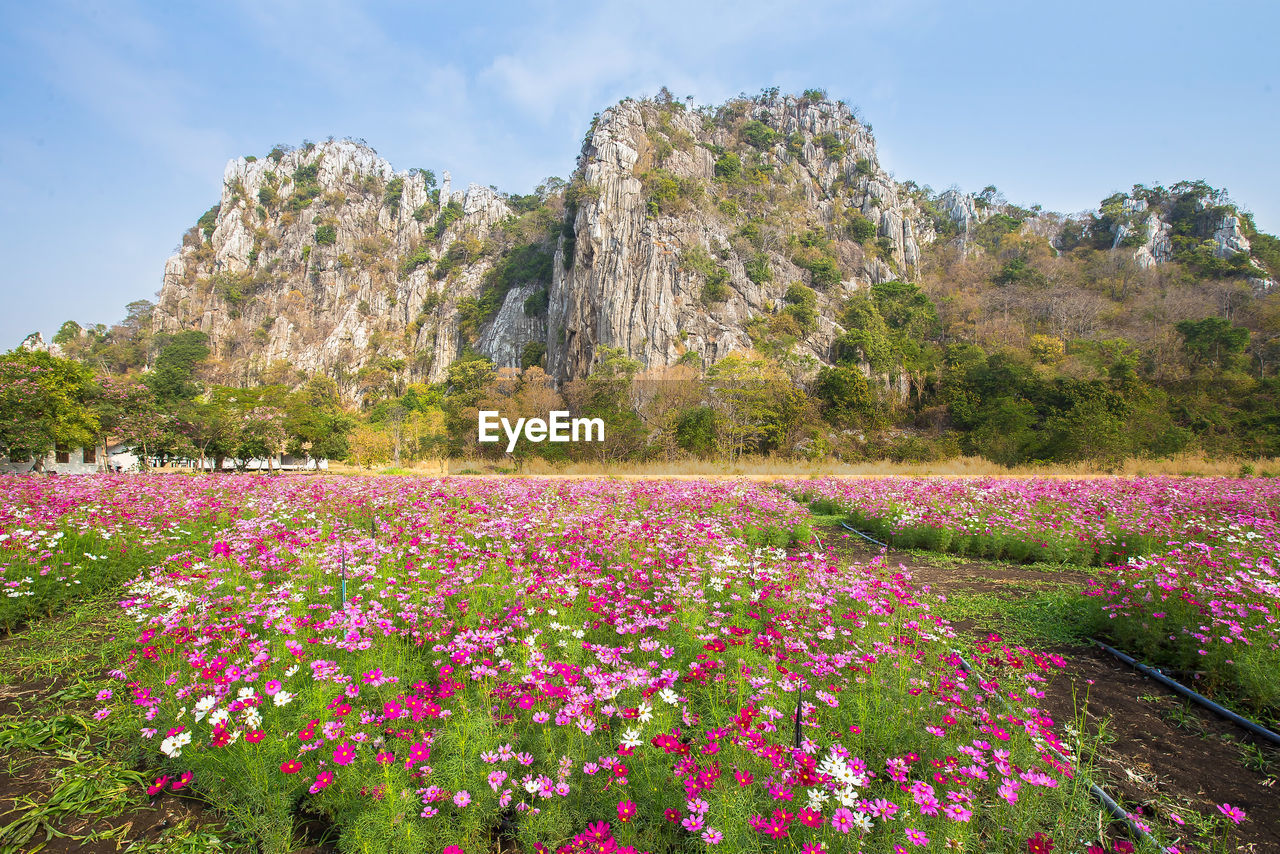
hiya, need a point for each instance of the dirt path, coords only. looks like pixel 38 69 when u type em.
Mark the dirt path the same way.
pixel 1159 753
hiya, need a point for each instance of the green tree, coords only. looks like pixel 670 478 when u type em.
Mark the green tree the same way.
pixel 45 403
pixel 180 356
pixel 844 396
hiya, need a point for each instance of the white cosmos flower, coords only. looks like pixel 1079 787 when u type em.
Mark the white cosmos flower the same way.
pixel 282 698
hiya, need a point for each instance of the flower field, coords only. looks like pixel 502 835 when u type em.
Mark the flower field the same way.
pixel 585 666
pixel 1190 578
pixel 465 665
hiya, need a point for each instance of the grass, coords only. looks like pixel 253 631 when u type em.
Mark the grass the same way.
pixel 84 771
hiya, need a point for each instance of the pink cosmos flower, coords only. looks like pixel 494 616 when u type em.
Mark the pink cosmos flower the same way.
pixel 323 779
pixel 1234 813
pixel 462 798
pixel 344 753
pixel 842 820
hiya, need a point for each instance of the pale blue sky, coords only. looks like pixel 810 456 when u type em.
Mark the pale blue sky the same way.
pixel 118 117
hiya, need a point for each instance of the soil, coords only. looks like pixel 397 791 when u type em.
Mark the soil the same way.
pixel 1158 744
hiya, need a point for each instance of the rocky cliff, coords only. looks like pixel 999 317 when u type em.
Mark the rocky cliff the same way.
pixel 671 200
pixel 682 234
pixel 325 259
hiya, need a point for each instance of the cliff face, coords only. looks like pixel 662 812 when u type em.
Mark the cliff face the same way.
pixel 746 181
pixel 326 259
pixel 683 234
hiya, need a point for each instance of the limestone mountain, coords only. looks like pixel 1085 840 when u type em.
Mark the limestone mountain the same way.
pixel 681 235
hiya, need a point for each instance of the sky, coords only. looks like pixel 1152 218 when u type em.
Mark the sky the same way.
pixel 117 118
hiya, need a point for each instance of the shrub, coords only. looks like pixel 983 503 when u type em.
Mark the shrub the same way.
pixel 534 353
pixel 326 235
pixel 823 271
pixel 537 303
pixel 716 289
pixel 832 145
pixel 729 167
pixel 392 194
pixel 450 214
pixel 666 192
pixel 759 269
pixel 209 220
pixel 858 227
pixel 758 134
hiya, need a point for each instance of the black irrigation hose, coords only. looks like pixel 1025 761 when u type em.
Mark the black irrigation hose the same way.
pixel 1179 688
pixel 1116 811
pixel 864 536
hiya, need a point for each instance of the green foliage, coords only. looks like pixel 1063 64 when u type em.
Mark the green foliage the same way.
pixel 520 266
pixel 326 235
pixel 537 303
pixel 802 305
pixel 832 145
pixel 177 362
pixel 758 134
pixel 1212 342
pixel 422 212
pixel 209 220
pixel 811 250
pixel 988 233
pixel 392 194
pixel 858 227
pixel 715 288
pixel 533 354
pixel 306 187
pixel 451 213
pixel 844 396
pixel 728 167
pixel 863 168
pixel 667 193
pixel 795 143
pixel 866 337
pixel 824 272
pixel 696 431
pixel 45 403
pixel 758 268
pixel 67 332
pixel 421 254
pixel 812 95
pixel 1018 271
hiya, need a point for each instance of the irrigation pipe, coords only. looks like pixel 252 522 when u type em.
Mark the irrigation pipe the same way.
pixel 864 536
pixel 1178 687
pixel 1118 812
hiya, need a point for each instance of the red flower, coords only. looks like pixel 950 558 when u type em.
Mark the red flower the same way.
pixel 1039 844
pixel 182 781
pixel 158 785
pixel 254 736
pixel 626 811
pixel 293 766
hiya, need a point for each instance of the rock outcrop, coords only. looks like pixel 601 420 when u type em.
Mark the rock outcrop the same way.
pixel 747 179
pixel 325 259
pixel 683 235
